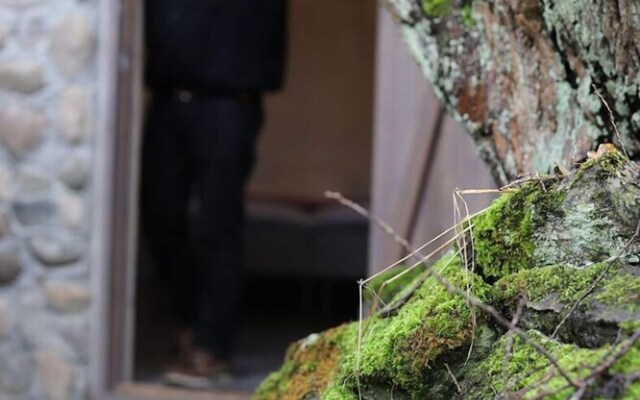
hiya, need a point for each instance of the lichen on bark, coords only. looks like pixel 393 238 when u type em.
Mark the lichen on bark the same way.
pixel 520 75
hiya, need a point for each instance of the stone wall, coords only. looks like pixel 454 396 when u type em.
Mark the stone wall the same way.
pixel 47 98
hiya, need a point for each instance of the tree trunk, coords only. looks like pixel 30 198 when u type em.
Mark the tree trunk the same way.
pixel 521 75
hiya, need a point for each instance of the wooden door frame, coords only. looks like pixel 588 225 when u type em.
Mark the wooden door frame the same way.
pixel 109 14
pixel 114 208
pixel 407 124
pixel 124 197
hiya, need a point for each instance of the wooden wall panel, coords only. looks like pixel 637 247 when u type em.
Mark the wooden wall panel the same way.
pixel 405 113
pixel 455 165
pixel 411 191
pixel 318 130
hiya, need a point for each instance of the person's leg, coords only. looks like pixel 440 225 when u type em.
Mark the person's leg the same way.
pixel 224 155
pixel 164 198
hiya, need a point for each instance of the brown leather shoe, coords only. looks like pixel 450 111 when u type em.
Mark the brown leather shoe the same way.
pixel 184 344
pixel 198 370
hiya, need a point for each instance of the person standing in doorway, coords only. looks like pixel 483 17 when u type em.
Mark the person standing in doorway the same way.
pixel 208 64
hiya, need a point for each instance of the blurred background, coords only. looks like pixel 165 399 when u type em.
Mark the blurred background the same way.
pixel 354 117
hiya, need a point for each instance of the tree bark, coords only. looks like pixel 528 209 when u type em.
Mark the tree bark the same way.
pixel 522 75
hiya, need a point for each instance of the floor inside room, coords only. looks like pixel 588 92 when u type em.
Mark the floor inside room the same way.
pixel 276 311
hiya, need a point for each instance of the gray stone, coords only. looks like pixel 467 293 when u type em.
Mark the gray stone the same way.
pixel 21 127
pixel 74 330
pixel 74 113
pixel 71 209
pixel 32 32
pixel 74 172
pixel 20 3
pixel 33 180
pixel 23 76
pixel 6 324
pixel 5 226
pixel 34 212
pixel 72 43
pixel 16 370
pixel 55 250
pixel 33 322
pixel 6 183
pixel 5 30
pixel 56 375
pixel 10 265
pixel 67 297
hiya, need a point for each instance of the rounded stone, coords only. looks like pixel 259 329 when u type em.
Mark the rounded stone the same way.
pixel 21 128
pixel 73 172
pixel 32 31
pixel 74 330
pixel 72 43
pixel 23 76
pixel 20 3
pixel 5 30
pixel 6 323
pixel 33 321
pixel 67 297
pixel 5 225
pixel 74 113
pixel 10 265
pixel 34 212
pixel 6 183
pixel 16 370
pixel 55 250
pixel 56 375
pixel 71 209
pixel 33 180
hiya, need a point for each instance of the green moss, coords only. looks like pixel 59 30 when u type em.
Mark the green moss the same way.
pixel 530 374
pixel 527 368
pixel 436 8
pixel 336 391
pixel 503 235
pixel 443 8
pixel 277 382
pixel 623 292
pixel 381 288
pixel 566 283
pixel 608 164
pixel 401 349
pixel 467 15
pixel 541 241
pixel 309 367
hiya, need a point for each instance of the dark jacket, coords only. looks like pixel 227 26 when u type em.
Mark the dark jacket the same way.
pixel 215 45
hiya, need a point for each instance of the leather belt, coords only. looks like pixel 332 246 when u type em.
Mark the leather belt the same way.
pixel 187 96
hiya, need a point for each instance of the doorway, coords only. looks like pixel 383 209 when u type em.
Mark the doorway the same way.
pixel 303 254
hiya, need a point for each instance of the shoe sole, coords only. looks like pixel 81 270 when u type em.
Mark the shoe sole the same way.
pixel 196 382
pixel 187 381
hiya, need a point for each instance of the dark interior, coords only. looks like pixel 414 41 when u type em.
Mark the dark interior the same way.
pixel 301 270
pixel 303 254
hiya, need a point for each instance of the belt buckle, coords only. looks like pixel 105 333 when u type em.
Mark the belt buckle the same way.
pixel 185 96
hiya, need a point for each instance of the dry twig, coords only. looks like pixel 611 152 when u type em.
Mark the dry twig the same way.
pixel 509 345
pixel 453 377
pixel 612 119
pixel 371 217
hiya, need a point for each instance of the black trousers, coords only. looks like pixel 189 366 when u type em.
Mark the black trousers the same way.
pixel 203 147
